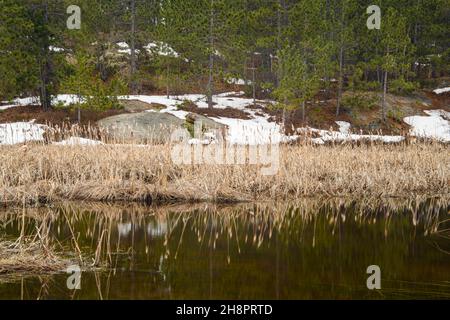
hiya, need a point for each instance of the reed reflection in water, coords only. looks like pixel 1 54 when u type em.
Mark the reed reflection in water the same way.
pixel 310 249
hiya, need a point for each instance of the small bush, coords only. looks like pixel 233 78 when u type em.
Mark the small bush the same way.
pixel 401 86
pixel 360 101
pixel 87 83
pixel 396 114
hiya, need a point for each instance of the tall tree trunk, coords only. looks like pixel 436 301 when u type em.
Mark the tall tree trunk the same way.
pixel 133 47
pixel 254 81
pixel 303 111
pixel 384 95
pixel 385 80
pixel 211 57
pixel 45 94
pixel 79 105
pixel 167 81
pixel 341 61
pixel 278 74
pixel 341 79
pixel 379 71
pixel 280 25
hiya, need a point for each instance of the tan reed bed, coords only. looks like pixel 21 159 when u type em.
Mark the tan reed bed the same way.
pixel 45 173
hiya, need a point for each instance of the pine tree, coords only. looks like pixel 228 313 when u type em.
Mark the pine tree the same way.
pixel 18 61
pixel 30 29
pixel 395 43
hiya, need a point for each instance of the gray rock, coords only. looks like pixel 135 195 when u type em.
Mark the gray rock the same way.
pixel 144 127
pixel 151 127
pixel 140 106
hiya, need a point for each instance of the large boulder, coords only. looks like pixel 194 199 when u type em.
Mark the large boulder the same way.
pixel 153 127
pixel 144 127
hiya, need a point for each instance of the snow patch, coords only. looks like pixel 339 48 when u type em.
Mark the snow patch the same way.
pixel 442 90
pixel 162 49
pixel 21 132
pixel 435 126
pixel 339 136
pixel 256 131
pixel 344 127
pixel 125 48
pixel 64 99
pixel 56 49
pixel 76 141
pixel 238 82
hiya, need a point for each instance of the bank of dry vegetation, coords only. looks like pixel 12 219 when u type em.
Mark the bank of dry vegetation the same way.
pixel 44 173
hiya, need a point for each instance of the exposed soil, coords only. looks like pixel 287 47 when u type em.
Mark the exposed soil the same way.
pixel 441 101
pixel 56 116
pixel 321 113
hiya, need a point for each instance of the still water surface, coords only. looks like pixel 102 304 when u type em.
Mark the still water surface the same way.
pixel 305 250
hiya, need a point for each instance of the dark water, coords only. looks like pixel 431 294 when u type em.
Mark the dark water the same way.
pixel 306 250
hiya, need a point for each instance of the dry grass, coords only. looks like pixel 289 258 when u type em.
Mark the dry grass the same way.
pixel 29 256
pixel 45 173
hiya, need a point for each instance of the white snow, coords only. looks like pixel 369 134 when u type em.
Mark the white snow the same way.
pixel 161 48
pixel 76 141
pixel 344 127
pixel 256 130
pixel 442 90
pixel 8 106
pixel 252 132
pixel 435 126
pixel 125 48
pixel 221 101
pixel 20 132
pixel 55 49
pixel 344 135
pixel 230 94
pixel 337 136
pixel 64 99
pixel 158 48
pixel 21 102
pixel 238 82
pixel 122 45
